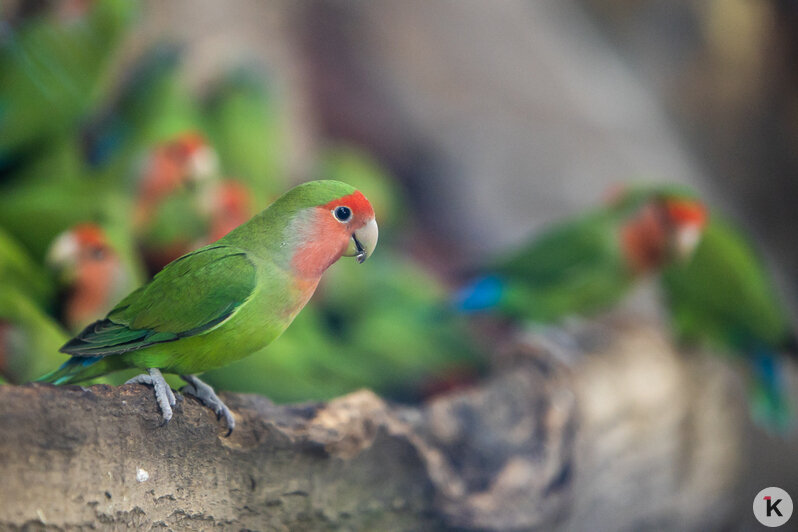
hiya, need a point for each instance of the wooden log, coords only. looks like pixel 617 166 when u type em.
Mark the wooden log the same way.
pixel 630 436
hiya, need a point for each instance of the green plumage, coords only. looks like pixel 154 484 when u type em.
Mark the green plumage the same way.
pixel 725 299
pixel 725 295
pixel 577 267
pixel 210 307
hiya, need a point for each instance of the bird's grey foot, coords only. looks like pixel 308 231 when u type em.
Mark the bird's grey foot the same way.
pixel 163 393
pixel 208 397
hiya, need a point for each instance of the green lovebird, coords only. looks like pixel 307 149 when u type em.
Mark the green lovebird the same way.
pixel 724 298
pixel 228 299
pixel 588 263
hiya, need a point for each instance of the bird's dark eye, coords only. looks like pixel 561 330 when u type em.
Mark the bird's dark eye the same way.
pixel 342 214
pixel 97 253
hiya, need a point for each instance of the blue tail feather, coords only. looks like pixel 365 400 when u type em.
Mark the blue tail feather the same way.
pixel 483 293
pixel 770 398
pixel 70 371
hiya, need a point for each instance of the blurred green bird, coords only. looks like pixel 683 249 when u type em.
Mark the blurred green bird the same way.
pixel 93 273
pixel 724 298
pixel 586 264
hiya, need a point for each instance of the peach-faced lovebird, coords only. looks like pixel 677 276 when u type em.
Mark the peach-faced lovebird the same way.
pixel 91 273
pixel 228 299
pixel 724 298
pixel 587 264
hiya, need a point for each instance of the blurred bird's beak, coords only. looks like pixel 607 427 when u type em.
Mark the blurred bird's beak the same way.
pixel 62 255
pixel 687 239
pixel 363 242
pixel 204 164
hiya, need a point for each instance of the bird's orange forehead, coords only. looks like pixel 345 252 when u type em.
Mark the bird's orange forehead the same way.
pixel 687 212
pixel 361 207
pixel 89 235
pixel 185 144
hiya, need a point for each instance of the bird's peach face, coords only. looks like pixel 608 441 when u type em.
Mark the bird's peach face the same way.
pixel 76 249
pixel 356 224
pixel 343 227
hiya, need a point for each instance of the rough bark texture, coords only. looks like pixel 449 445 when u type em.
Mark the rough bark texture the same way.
pixel 634 436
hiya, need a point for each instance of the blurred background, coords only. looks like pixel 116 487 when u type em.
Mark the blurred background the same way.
pixel 131 133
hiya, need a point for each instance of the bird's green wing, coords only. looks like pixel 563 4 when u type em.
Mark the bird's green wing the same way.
pixel 192 295
pixel 557 253
pixel 725 292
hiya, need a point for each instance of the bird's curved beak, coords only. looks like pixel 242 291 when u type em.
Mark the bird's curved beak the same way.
pixel 687 239
pixel 61 257
pixel 203 165
pixel 363 242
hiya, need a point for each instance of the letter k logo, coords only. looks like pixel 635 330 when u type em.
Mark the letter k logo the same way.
pixel 772 506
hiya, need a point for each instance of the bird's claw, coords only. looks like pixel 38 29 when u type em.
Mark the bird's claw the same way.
pixel 208 397
pixel 164 395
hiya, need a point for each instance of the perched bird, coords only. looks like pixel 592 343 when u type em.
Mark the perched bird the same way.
pixel 586 264
pixel 247 125
pixel 51 68
pixel 228 299
pixel 92 275
pixel 725 299
pixel 29 338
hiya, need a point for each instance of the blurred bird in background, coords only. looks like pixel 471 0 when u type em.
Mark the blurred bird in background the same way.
pixel 91 275
pixel 587 264
pixel 725 299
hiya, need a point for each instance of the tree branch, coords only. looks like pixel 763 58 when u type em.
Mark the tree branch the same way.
pixel 539 444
